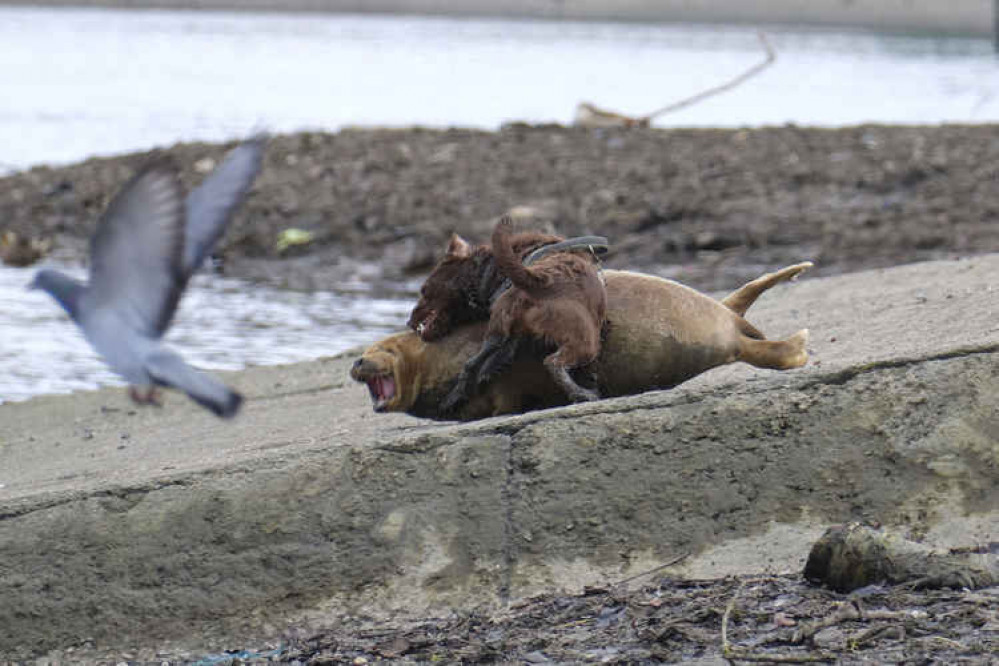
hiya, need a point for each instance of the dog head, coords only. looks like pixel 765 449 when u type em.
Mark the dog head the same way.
pixel 387 368
pixel 447 296
pixel 458 290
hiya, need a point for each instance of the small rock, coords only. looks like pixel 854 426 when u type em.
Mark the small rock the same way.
pixel 830 638
pixel 204 165
pixel 782 620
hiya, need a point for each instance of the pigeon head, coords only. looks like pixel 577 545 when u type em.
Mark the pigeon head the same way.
pixel 64 289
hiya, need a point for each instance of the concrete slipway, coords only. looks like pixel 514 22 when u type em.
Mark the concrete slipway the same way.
pixel 169 527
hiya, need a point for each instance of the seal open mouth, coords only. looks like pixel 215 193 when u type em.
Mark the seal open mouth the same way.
pixel 382 390
pixel 380 381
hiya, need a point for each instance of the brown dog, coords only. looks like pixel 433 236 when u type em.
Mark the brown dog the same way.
pixel 461 287
pixel 660 333
pixel 557 303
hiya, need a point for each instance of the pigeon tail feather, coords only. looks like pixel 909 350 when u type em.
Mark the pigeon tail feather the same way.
pixel 169 369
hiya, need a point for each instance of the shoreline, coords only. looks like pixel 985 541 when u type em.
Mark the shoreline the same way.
pixel 972 18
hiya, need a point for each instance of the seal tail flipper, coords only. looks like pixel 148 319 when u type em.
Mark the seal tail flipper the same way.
pixel 775 354
pixel 168 369
pixel 742 298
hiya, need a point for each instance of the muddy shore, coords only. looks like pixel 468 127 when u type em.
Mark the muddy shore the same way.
pixel 712 208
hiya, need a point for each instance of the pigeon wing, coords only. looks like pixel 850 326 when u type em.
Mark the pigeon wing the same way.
pixel 137 250
pixel 211 204
pixel 168 369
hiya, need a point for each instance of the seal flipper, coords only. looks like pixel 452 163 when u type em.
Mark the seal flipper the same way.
pixel 743 298
pixel 775 354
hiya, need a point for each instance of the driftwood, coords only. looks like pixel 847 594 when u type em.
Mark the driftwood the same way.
pixel 851 556
pixel 589 115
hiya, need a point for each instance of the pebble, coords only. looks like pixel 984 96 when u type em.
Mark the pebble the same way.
pixel 830 638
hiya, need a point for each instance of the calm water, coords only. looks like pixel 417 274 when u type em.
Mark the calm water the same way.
pixel 81 82
pixel 76 83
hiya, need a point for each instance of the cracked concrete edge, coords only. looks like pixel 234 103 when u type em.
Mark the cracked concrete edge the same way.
pixel 427 439
pixel 422 442
pixel 507 509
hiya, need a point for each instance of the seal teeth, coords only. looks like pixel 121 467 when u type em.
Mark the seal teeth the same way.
pixel 386 387
pixel 382 389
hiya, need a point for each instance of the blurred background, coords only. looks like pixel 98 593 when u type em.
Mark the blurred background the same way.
pixel 78 81
pixel 106 78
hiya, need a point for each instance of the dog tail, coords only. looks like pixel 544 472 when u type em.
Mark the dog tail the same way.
pixel 509 263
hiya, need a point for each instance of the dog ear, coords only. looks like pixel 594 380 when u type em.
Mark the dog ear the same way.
pixel 458 247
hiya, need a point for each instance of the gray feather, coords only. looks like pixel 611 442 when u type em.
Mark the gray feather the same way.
pixel 146 246
pixel 137 251
pixel 168 369
pixel 210 206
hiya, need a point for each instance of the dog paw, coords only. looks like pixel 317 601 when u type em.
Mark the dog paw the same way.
pixel 583 395
pixel 455 398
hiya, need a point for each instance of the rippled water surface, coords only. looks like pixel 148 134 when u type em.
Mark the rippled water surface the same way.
pixel 222 323
pixel 77 82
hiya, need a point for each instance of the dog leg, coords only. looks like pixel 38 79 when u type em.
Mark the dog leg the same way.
pixel 560 373
pixel 742 298
pixel 464 384
pixel 500 361
pixel 775 354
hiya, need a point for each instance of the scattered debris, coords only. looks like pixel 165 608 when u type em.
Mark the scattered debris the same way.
pixel 290 238
pixel 19 251
pixel 768 619
pixel 588 115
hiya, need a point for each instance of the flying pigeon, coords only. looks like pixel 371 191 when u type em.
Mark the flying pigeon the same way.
pixel 147 245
